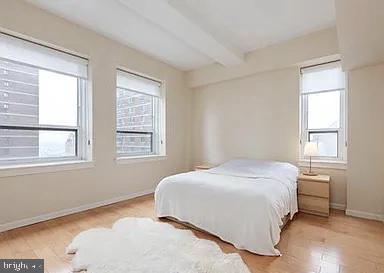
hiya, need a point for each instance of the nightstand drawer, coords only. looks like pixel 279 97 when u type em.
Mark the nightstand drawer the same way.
pixel 318 189
pixel 314 205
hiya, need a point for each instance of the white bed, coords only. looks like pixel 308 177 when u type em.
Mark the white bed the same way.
pixel 242 201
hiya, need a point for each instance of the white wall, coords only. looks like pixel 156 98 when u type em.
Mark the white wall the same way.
pixel 248 117
pixel 32 195
pixel 366 142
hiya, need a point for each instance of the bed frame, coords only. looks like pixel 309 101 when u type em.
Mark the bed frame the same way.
pixel 285 220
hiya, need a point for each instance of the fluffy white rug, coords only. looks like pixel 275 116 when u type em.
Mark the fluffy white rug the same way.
pixel 140 245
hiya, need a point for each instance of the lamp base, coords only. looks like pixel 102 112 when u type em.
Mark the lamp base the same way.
pixel 310 173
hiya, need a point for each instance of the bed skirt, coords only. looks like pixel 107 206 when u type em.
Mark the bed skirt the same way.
pixel 285 221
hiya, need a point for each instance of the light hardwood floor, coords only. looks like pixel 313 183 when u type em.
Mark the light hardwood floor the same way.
pixel 339 244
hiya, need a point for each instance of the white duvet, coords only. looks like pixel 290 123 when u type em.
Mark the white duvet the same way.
pixel 242 201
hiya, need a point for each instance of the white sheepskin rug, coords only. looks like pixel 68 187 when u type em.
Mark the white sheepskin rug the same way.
pixel 141 245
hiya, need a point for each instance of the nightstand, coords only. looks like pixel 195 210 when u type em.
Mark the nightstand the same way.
pixel 202 167
pixel 314 194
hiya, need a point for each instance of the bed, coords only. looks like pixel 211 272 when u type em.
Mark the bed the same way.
pixel 242 201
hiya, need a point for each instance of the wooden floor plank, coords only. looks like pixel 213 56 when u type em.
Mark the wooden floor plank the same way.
pixel 309 244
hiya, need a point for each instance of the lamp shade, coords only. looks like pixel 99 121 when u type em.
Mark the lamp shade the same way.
pixel 310 149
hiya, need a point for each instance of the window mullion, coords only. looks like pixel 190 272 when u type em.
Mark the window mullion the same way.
pixel 39 127
pixel 322 91
pixel 305 119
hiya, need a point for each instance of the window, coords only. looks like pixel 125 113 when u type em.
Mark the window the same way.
pixel 43 115
pixel 138 116
pixel 323 118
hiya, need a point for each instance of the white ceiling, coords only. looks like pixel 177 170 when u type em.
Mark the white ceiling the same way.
pixel 189 34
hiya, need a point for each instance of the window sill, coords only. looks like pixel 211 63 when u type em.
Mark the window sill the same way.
pixel 322 164
pixel 139 159
pixel 36 168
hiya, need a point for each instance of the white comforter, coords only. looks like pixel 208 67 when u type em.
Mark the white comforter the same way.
pixel 241 201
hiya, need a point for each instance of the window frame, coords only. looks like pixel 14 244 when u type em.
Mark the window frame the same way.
pixel 158 149
pixel 83 147
pixel 304 134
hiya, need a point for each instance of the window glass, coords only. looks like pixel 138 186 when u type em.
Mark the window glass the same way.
pixel 19 144
pixel 36 144
pixel 57 144
pixel 32 96
pixel 134 143
pixel 135 123
pixel 326 143
pixel 57 99
pixel 324 110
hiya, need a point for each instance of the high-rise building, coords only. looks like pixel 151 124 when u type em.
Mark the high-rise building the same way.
pixel 134 114
pixel 19 104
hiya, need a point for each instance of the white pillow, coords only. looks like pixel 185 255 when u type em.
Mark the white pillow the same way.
pixel 253 168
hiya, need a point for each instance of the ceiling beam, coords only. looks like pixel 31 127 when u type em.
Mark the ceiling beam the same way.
pixel 163 14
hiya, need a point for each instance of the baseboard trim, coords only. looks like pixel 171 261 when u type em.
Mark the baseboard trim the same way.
pixel 365 215
pixel 64 212
pixel 338 206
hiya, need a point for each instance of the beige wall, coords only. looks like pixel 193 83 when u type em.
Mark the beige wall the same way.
pixel 254 117
pixel 32 195
pixel 360 33
pixel 366 142
pixel 248 117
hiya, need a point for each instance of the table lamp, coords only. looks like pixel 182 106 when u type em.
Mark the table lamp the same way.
pixel 310 149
